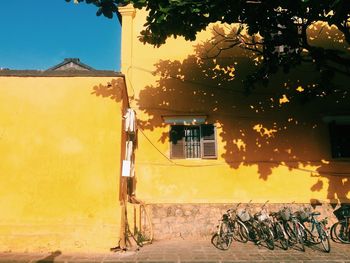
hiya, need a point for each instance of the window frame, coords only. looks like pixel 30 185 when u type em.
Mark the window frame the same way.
pixel 202 143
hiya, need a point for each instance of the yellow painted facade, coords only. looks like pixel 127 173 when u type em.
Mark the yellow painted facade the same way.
pixel 270 146
pixel 60 147
pixel 62 142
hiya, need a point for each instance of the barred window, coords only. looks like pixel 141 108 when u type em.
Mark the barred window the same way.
pixel 193 141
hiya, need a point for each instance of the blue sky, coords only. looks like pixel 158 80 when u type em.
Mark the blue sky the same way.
pixel 40 34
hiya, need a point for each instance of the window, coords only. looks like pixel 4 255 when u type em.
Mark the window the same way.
pixel 340 139
pixel 193 141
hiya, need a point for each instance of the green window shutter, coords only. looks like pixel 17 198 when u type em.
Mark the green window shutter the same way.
pixel 177 148
pixel 208 141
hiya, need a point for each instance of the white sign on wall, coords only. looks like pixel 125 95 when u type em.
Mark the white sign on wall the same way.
pixel 126 168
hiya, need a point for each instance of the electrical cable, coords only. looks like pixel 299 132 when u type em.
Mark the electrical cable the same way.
pixel 216 164
pixel 168 159
pixel 206 165
pixel 198 83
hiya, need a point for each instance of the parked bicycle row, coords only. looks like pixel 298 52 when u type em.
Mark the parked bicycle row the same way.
pixel 284 228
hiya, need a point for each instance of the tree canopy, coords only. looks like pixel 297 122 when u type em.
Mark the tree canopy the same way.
pixel 276 30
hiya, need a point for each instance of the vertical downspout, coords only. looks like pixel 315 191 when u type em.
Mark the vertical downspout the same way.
pixel 127 13
pixel 122 180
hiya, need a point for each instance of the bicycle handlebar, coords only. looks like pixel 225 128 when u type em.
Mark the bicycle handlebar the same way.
pixel 265 204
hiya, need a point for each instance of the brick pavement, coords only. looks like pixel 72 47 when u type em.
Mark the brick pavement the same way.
pixel 179 250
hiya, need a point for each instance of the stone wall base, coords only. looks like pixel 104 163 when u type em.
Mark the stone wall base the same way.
pixel 200 220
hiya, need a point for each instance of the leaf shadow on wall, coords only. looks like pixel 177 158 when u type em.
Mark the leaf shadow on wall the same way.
pixel 273 127
pixel 112 90
pixel 115 90
pixel 51 257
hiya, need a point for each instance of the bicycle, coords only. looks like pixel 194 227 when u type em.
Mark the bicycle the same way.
pixel 222 239
pixel 293 227
pixel 340 231
pixel 230 227
pixel 315 231
pixel 240 231
pixel 244 216
pixel 258 229
pixel 264 225
pixel 278 230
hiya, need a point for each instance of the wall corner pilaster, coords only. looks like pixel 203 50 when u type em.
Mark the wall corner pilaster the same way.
pixel 128 13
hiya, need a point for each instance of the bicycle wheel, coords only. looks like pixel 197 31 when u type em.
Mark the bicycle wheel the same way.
pixel 342 231
pixel 240 232
pixel 333 236
pixel 295 232
pixel 253 234
pixel 288 228
pixel 324 239
pixel 281 236
pixel 268 237
pixel 312 232
pixel 222 240
pixel 300 230
pixel 311 237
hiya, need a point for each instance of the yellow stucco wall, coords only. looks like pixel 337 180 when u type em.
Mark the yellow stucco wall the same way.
pixel 60 143
pixel 270 147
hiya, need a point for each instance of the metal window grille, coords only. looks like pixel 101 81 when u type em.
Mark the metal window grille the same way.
pixel 192 142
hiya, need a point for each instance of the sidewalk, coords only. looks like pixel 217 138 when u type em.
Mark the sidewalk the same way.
pixel 176 251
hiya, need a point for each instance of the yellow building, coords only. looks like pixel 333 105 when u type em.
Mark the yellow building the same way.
pixel 203 143
pixel 60 148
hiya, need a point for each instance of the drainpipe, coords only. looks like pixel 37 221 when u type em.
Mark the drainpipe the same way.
pixel 127 13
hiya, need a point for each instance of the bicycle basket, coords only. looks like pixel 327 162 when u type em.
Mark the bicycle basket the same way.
pixel 285 214
pixel 262 216
pixel 303 215
pixel 243 215
pixel 342 212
